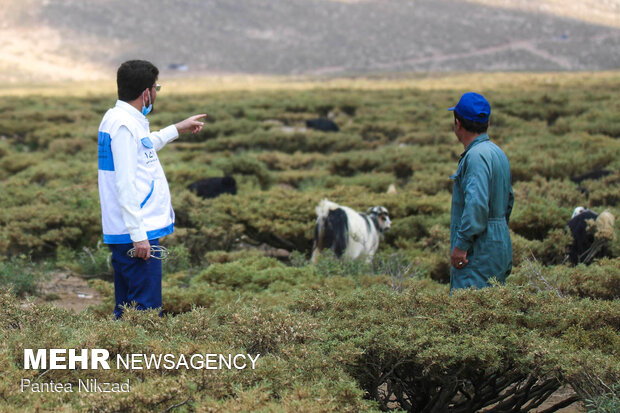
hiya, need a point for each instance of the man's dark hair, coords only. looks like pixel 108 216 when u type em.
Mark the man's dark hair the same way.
pixel 470 125
pixel 133 77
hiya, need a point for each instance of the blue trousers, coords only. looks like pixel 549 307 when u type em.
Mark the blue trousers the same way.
pixel 135 280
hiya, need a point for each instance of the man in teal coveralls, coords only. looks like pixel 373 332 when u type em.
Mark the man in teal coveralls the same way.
pixel 482 201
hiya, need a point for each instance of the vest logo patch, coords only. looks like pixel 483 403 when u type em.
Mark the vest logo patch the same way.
pixel 147 142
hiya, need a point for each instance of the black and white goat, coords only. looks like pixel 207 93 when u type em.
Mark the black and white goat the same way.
pixel 591 234
pixel 347 232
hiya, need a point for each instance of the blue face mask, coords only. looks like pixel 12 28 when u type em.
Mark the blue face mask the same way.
pixel 146 110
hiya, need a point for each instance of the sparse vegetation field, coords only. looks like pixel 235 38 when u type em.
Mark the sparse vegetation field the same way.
pixel 338 336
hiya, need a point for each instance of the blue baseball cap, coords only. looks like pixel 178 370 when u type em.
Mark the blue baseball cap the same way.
pixel 474 107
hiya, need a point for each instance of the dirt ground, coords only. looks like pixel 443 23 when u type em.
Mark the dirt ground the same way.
pixel 68 291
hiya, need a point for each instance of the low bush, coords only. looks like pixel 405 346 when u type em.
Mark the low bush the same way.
pixel 600 280
pixel 339 336
pixel 422 351
pixel 361 348
pixel 608 402
pixel 20 275
pixel 88 263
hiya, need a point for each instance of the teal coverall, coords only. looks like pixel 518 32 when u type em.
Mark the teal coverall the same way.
pixel 482 201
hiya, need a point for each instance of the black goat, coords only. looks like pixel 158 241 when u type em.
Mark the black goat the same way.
pixel 214 187
pixel 322 124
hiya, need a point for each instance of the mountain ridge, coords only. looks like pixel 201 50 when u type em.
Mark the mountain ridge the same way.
pixel 72 39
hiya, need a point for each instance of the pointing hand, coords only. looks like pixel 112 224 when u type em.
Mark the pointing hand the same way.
pixel 191 124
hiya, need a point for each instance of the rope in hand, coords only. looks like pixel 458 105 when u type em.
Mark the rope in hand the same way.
pixel 157 251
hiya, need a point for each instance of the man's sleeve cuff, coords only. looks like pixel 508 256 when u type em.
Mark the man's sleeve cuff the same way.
pixel 462 244
pixel 138 235
pixel 169 133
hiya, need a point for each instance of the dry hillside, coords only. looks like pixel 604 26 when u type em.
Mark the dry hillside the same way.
pixel 45 40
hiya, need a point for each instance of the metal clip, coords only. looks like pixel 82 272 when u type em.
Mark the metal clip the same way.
pixel 157 251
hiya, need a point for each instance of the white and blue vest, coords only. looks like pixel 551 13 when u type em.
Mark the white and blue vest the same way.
pixel 151 183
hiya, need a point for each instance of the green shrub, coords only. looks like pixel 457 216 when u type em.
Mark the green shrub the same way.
pixel 255 274
pixel 178 260
pixel 20 275
pixel 246 165
pixel 341 335
pixel 535 216
pixel 344 343
pixel 601 280
pixel 605 403
pixel 420 351
pixel 89 262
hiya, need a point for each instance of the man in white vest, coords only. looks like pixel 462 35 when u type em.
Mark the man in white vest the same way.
pixel 135 199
